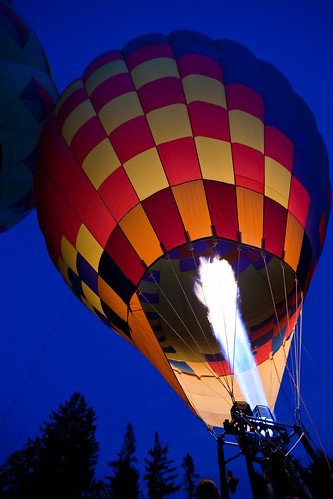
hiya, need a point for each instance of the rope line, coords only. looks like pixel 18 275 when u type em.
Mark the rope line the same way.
pixel 235 330
pixel 300 346
pixel 28 376
pixel 292 359
pixel 227 342
pixel 283 391
pixel 320 373
pixel 186 344
pixel 319 440
pixel 296 352
pixel 219 363
pixel 273 301
pixel 291 378
pixel 187 394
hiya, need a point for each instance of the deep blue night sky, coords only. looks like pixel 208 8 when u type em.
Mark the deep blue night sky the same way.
pixel 82 354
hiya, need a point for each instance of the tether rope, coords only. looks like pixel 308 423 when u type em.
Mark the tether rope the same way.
pixel 28 376
pixel 320 373
pixel 283 391
pixel 319 440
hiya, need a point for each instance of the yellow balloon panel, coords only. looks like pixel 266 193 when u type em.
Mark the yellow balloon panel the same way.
pixel 146 173
pixel 246 129
pixel 277 182
pixel 69 254
pixel 76 119
pixel 204 89
pixel 105 157
pixel 169 123
pixel 103 73
pixel 215 159
pixel 75 86
pixel 121 109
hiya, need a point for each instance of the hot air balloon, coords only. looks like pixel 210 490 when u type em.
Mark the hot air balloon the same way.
pixel 27 97
pixel 173 149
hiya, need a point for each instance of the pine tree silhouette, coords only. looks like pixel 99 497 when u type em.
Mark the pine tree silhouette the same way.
pixel 125 482
pixel 319 477
pixel 160 476
pixel 58 463
pixel 190 476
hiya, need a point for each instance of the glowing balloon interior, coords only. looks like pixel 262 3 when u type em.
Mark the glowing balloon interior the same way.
pixel 177 148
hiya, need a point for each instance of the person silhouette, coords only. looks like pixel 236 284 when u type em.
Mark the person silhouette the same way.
pixel 207 489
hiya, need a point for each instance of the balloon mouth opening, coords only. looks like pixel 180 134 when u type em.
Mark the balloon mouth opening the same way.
pixel 171 308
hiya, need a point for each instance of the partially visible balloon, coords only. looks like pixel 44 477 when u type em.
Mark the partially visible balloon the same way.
pixel 27 97
pixel 174 148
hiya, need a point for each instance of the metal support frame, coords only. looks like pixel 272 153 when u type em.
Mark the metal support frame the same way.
pixel 223 474
pixel 264 442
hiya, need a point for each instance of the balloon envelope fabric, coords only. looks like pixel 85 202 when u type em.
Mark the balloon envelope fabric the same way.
pixel 27 95
pixel 174 148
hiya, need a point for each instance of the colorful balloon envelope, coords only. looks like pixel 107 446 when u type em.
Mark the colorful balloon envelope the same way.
pixel 175 148
pixel 27 97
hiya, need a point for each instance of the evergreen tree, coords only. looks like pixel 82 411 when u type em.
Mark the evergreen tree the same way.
pixel 16 475
pixel 319 477
pixel 58 463
pixel 190 476
pixel 160 476
pixel 125 482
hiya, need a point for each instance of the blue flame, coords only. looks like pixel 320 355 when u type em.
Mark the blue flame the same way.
pixel 218 291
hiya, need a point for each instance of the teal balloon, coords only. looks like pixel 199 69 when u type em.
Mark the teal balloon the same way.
pixel 27 97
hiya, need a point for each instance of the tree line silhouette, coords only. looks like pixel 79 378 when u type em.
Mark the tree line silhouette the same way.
pixel 60 463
